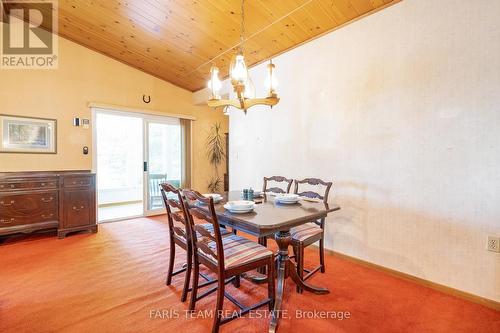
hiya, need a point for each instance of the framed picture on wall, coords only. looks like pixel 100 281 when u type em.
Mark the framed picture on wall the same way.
pixel 27 135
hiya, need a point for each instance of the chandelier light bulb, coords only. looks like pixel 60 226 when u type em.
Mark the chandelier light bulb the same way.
pixel 214 84
pixel 271 82
pixel 249 89
pixel 238 70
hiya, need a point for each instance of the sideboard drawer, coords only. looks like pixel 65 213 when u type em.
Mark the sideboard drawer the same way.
pixel 78 181
pixel 46 215
pixel 26 204
pixel 8 186
pixel 24 209
pixel 45 184
pixel 35 184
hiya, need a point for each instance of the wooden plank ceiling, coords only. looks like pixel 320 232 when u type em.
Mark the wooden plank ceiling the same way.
pixel 177 40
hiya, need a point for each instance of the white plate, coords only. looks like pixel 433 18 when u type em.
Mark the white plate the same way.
pixel 241 204
pixel 237 211
pixel 287 202
pixel 216 196
pixel 287 198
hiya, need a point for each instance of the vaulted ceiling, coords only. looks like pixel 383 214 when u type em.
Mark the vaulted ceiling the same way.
pixel 178 40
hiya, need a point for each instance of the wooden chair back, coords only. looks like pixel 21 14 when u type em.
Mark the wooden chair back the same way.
pixel 193 200
pixel 278 179
pixel 176 212
pixel 313 194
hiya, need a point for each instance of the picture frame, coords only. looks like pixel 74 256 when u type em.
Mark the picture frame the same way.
pixel 29 135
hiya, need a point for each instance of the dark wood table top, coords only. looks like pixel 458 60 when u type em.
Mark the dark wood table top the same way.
pixel 269 216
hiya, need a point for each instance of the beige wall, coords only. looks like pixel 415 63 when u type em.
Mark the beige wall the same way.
pixel 402 110
pixel 85 76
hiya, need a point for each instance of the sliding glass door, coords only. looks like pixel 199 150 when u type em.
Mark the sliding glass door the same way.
pixel 163 159
pixel 133 155
pixel 119 152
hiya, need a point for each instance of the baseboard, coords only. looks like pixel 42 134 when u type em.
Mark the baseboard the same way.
pixel 120 203
pixel 433 285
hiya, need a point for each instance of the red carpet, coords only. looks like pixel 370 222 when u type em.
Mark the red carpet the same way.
pixel 114 280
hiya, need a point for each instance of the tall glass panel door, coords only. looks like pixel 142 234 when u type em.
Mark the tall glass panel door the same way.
pixel 119 156
pixel 163 159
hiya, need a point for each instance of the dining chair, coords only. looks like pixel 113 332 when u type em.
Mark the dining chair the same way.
pixel 312 232
pixel 227 257
pixel 277 179
pixel 179 234
pixel 275 189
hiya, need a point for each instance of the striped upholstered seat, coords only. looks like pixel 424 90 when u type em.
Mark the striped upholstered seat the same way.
pixel 305 231
pixel 237 251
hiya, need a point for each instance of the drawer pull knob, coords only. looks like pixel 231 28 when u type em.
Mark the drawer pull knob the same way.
pixel 77 208
pixel 43 184
pixel 47 216
pixel 7 204
pixel 47 200
pixel 12 185
pixel 7 221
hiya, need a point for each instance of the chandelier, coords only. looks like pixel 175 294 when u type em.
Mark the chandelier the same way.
pixel 241 81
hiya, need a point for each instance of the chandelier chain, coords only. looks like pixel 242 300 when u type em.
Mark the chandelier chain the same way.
pixel 242 34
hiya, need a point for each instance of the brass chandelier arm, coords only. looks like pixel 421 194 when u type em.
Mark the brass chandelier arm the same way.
pixel 243 103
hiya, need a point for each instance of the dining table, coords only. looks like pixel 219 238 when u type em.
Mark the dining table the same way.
pixel 271 218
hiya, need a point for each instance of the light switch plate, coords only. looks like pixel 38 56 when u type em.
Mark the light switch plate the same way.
pixel 494 244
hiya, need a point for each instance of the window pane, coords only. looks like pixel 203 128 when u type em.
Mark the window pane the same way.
pixel 165 159
pixel 119 165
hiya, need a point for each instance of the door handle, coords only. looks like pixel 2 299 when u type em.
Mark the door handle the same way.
pixel 145 166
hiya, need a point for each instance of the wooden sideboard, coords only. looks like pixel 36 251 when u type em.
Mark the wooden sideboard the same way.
pixel 62 200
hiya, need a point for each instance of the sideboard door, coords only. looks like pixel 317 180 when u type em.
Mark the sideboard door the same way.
pixel 78 205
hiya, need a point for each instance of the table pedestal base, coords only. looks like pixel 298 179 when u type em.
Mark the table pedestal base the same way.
pixel 286 268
